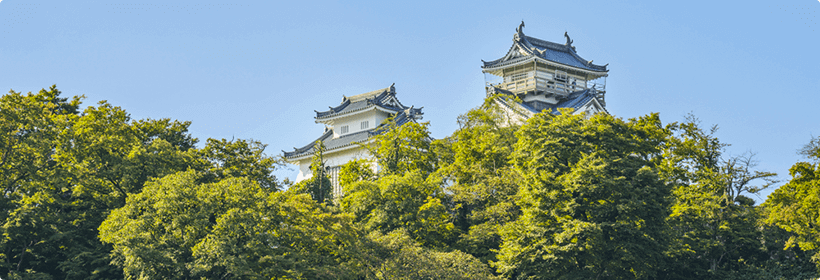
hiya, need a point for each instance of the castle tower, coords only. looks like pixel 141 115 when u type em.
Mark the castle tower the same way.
pixel 545 76
pixel 355 121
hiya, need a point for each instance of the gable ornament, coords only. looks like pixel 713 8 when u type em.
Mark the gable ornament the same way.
pixel 569 41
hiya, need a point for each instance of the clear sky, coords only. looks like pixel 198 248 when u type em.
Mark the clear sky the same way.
pixel 258 69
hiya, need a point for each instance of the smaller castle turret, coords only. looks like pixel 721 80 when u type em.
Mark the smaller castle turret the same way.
pixel 353 122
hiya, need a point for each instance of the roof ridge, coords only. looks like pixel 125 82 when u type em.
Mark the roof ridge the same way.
pixel 528 46
pixel 368 98
pixel 308 147
pixel 547 44
pixel 564 48
pixel 370 94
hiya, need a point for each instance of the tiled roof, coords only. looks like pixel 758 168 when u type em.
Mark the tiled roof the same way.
pixel 403 115
pixel 574 100
pixel 401 118
pixel 534 47
pixel 330 142
pixel 364 101
pixel 564 54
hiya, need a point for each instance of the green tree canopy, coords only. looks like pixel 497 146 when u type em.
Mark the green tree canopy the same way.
pixel 795 206
pixel 715 228
pixel 318 186
pixel 483 185
pixel 63 171
pixel 93 194
pixel 404 148
pixel 222 159
pixel 178 228
pixel 400 257
pixel 592 203
pixel 406 202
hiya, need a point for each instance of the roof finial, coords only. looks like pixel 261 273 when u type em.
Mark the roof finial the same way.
pixel 519 32
pixel 569 42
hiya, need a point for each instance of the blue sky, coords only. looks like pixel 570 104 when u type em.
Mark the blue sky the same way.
pixel 258 69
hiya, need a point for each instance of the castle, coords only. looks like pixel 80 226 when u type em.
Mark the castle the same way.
pixel 544 75
pixel 535 75
pixel 347 126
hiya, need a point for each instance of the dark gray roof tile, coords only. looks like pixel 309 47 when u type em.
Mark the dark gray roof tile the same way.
pixel 364 101
pixel 402 116
pixel 555 52
pixel 574 100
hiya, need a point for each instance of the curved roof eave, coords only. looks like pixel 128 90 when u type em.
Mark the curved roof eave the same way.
pixel 332 110
pixel 309 154
pixel 530 58
pixel 363 109
pixel 531 46
pixel 308 147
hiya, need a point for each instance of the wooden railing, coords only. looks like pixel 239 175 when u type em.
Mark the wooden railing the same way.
pixel 548 85
pixel 540 84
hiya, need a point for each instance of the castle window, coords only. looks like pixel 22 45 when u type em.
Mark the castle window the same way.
pixel 561 76
pixel 365 124
pixel 333 173
pixel 519 76
pixel 344 129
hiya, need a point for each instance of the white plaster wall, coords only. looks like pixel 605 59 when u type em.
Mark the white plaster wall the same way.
pixel 304 170
pixel 380 117
pixel 354 122
pixel 332 159
pixel 342 157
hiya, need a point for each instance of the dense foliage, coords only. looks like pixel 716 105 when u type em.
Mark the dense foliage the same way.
pixel 592 203
pixel 93 194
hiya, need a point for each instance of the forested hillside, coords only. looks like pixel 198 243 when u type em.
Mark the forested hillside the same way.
pixel 90 193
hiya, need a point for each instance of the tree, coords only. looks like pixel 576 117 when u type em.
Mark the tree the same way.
pixel 109 157
pixel 355 171
pixel 238 158
pixel 483 183
pixel 67 171
pixel 29 125
pixel 106 157
pixel 154 234
pixel 289 236
pixel 399 257
pixel 318 186
pixel 794 207
pixel 591 200
pixel 178 228
pixel 402 148
pixel 49 228
pixel 714 226
pixel 406 202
